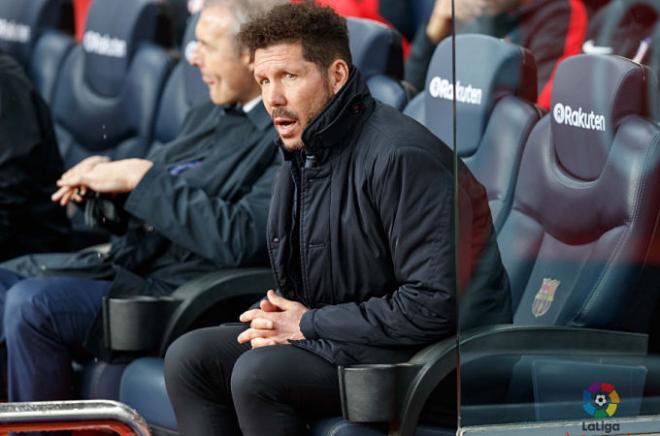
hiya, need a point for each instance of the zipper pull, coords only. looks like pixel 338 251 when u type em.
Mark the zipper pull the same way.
pixel 310 161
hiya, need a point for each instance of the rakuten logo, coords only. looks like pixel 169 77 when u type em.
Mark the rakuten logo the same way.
pixel 104 45
pixel 566 115
pixel 442 88
pixel 14 32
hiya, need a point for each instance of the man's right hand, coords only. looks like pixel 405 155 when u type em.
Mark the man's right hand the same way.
pixel 66 194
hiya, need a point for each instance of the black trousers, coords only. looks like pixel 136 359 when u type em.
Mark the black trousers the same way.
pixel 218 386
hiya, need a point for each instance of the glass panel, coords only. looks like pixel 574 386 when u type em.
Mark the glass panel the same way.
pixel 557 118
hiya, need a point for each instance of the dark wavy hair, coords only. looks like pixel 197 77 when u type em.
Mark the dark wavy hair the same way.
pixel 323 33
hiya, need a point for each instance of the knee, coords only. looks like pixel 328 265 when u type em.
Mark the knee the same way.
pixel 185 357
pixel 22 307
pixel 256 375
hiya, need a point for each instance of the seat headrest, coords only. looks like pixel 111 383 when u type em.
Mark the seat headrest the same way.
pixel 591 95
pixel 487 69
pixel 376 49
pixel 21 23
pixel 113 32
pixel 196 90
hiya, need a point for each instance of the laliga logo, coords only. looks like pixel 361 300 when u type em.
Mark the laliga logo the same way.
pixel 104 45
pixel 443 88
pixel 564 114
pixel 14 32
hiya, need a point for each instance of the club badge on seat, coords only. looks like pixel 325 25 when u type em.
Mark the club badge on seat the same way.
pixel 544 297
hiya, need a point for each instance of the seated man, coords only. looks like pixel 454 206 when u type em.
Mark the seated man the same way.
pixel 361 241
pixel 195 205
pixel 550 29
pixel 29 167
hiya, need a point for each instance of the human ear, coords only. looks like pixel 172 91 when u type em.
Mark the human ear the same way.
pixel 338 73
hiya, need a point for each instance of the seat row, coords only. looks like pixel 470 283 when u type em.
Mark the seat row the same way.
pixel 575 196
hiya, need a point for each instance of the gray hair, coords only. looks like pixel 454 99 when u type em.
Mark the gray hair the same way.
pixel 244 10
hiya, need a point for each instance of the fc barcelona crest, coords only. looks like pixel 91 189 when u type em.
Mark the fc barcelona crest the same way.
pixel 544 297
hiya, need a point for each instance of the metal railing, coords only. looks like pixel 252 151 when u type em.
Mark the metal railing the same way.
pixel 72 415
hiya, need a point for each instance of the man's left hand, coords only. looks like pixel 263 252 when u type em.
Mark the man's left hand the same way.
pixel 270 327
pixel 112 177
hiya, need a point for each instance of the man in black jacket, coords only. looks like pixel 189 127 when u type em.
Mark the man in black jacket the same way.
pixel 360 238
pixel 195 205
pixel 30 164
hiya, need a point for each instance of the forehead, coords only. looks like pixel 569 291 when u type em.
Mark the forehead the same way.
pixel 213 23
pixel 278 56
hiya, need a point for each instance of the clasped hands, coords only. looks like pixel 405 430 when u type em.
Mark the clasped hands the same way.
pixel 98 174
pixel 275 322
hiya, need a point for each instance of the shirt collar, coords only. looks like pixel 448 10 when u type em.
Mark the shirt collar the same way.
pixel 247 107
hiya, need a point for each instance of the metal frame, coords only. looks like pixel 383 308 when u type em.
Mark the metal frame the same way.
pixel 72 415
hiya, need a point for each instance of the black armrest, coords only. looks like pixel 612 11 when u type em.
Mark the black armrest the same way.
pixel 410 388
pixel 150 324
pixel 198 295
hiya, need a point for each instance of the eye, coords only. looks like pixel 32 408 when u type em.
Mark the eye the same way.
pixel 291 76
pixel 263 82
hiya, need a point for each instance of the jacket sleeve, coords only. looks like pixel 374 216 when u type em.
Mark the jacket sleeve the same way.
pixel 413 193
pixel 228 233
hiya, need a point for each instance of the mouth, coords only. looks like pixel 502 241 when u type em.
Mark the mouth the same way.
pixel 285 126
pixel 210 81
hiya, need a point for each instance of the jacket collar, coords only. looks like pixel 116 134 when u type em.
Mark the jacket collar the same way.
pixel 328 131
pixel 258 115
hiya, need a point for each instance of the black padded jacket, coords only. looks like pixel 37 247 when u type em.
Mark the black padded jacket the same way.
pixel 361 231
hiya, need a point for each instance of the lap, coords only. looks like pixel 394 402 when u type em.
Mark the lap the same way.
pixel 217 346
pixel 60 307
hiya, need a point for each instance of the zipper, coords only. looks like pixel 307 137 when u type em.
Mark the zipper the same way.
pixel 301 251
pixel 309 162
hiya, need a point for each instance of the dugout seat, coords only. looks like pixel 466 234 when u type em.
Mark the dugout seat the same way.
pixel 495 112
pixel 35 33
pixel 377 52
pixel 106 95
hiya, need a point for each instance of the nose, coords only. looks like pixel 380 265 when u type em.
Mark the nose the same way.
pixel 274 96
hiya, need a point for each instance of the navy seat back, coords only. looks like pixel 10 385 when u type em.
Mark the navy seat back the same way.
pixel 29 31
pixel 580 239
pixel 377 52
pixel 184 89
pixel 106 95
pixel 23 22
pixel 496 84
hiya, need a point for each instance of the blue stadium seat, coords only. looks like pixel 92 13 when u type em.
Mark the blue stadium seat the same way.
pixel 184 89
pixel 143 388
pixel 106 95
pixel 29 31
pixel 495 111
pixel 378 54
pixel 23 22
